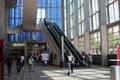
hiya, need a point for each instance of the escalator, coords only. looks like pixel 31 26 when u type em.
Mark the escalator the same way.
pixel 56 33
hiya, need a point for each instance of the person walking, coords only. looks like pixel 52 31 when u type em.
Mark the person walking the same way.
pixel 87 60
pixel 30 63
pixel 18 63
pixel 9 64
pixel 22 60
pixel 71 60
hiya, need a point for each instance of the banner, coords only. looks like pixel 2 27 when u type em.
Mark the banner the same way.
pixel 118 55
pixel 1 60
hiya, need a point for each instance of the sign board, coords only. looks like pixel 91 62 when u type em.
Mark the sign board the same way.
pixel 1 60
pixel 118 54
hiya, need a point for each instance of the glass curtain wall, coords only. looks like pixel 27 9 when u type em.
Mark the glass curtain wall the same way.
pixel 112 9
pixel 15 20
pixel 113 38
pixel 51 10
pixel 65 15
pixel 72 19
pixel 81 44
pixel 95 46
pixel 16 14
pixel 94 14
pixel 81 18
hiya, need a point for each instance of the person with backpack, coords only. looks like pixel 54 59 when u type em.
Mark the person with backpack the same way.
pixel 30 62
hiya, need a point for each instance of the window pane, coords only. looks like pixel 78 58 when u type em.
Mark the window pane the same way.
pixel 113 39
pixel 116 8
pixel 111 13
pixel 95 43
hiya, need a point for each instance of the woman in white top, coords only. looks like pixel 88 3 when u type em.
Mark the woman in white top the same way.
pixel 71 60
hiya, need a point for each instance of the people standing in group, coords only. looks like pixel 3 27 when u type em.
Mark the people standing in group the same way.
pixel 30 63
pixel 9 64
pixel 88 60
pixel 18 63
pixel 71 60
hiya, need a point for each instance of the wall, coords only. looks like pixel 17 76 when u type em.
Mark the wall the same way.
pixel 2 10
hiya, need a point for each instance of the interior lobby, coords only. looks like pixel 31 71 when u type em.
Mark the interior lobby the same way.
pixel 58 28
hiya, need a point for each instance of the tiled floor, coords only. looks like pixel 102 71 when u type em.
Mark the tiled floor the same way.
pixel 57 73
pixel 79 74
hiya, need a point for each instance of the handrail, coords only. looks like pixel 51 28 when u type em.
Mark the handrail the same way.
pixel 51 37
pixel 68 43
pixel 56 33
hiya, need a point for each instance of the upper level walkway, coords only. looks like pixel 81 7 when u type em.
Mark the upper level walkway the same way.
pixel 57 73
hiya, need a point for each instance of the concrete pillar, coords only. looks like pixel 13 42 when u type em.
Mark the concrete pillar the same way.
pixel 62 40
pixel 87 41
pixel 2 10
pixel 87 25
pixel 6 23
pixel 86 13
pixel 68 19
pixel 25 49
pixel 104 45
pixel 76 44
pixel 103 21
pixel 76 18
pixel 103 18
pixel 62 12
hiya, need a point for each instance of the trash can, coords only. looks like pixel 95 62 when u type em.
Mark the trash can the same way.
pixel 115 73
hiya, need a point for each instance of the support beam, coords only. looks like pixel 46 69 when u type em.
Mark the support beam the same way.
pixel 29 14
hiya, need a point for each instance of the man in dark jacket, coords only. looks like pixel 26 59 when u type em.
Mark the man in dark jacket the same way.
pixel 18 64
pixel 9 63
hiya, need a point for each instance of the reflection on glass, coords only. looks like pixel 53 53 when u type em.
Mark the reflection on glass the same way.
pixel 113 38
pixel 116 28
pixel 95 43
pixel 83 27
pixel 113 11
pixel 79 29
pixel 94 14
pixel 116 8
pixel 72 33
pixel 81 44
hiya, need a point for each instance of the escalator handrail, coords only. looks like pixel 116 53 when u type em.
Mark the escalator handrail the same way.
pixel 61 34
pixel 51 38
pixel 68 42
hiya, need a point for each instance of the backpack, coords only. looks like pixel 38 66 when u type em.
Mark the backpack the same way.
pixel 30 61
